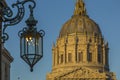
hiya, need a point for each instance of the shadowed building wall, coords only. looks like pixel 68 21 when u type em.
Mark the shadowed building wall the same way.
pixel 6 61
pixel 5 57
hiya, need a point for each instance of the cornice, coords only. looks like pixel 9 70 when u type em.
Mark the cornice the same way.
pixel 6 54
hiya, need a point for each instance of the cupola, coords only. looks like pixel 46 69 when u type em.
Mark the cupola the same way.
pixel 80 22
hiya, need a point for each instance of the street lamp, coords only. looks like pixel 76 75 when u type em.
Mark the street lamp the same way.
pixel 31 40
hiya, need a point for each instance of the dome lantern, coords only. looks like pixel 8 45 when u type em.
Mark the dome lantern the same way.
pixel 80 8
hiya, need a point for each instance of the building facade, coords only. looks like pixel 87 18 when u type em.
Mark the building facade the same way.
pixel 80 52
pixel 5 57
pixel 6 61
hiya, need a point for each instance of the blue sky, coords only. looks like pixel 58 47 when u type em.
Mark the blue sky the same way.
pixel 52 14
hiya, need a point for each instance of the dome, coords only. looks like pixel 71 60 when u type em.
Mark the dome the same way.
pixel 80 22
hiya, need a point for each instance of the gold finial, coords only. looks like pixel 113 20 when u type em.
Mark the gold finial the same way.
pixel 80 8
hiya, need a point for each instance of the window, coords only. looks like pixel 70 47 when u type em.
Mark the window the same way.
pixel 106 58
pixel 89 57
pixel 80 57
pixel 61 58
pixel 6 71
pixel 69 57
pixel 99 57
pixel 57 58
pixel 99 54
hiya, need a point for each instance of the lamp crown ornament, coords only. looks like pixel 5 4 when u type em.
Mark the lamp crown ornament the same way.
pixel 31 20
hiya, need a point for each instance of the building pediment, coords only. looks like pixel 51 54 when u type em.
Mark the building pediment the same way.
pixel 83 72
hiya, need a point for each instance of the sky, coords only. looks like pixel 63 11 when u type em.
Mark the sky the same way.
pixel 51 15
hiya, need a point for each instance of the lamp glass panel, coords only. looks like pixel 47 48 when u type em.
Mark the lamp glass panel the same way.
pixel 30 45
pixel 23 46
pixel 40 46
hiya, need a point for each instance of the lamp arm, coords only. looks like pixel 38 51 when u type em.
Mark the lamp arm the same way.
pixel 7 13
pixel 8 18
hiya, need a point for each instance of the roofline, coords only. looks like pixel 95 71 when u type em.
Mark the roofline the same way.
pixel 6 53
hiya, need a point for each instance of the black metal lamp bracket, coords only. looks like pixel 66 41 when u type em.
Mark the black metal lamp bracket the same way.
pixel 8 18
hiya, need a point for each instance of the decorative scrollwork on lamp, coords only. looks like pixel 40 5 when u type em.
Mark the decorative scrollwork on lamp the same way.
pixel 8 18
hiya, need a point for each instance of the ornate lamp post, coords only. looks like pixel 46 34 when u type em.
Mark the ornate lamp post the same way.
pixel 31 40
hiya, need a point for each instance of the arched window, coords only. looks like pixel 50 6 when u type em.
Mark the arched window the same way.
pixel 89 57
pixel 69 57
pixel 80 57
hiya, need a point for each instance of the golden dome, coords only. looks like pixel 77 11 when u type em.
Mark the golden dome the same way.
pixel 80 22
